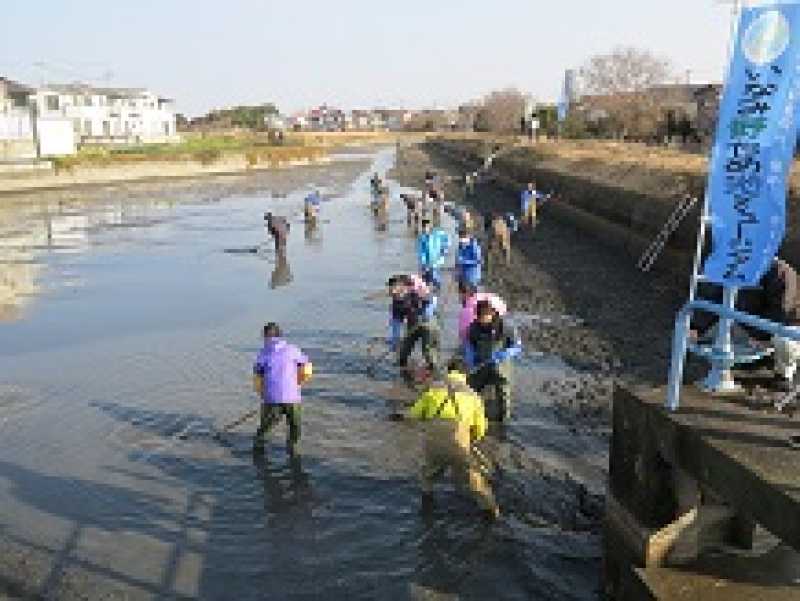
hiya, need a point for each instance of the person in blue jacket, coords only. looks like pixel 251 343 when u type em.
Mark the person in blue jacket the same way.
pixel 311 206
pixel 432 247
pixel 468 258
pixel 490 346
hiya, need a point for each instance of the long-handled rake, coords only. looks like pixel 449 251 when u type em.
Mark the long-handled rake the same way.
pixel 237 422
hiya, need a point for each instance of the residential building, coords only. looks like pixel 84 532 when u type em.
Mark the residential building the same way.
pixel 17 140
pixel 683 111
pixel 325 118
pixel 109 115
pixel 467 114
pixel 372 119
pixel 297 122
pixel 707 99
pixel 275 121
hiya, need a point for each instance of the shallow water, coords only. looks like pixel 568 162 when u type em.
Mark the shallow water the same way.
pixel 126 340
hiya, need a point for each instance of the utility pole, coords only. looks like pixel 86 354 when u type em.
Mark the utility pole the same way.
pixel 33 105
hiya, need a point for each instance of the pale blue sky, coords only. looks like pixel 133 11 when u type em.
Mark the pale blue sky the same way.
pixel 208 53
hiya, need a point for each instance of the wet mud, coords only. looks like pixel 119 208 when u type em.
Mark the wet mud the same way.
pixel 608 321
pixel 130 355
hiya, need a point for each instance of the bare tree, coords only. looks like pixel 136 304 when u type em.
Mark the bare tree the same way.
pixel 501 110
pixel 620 86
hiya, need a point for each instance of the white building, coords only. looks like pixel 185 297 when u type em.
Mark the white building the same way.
pixel 16 122
pixel 109 115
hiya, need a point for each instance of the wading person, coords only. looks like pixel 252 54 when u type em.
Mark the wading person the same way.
pixel 499 239
pixel 469 184
pixel 411 208
pixel 278 228
pixel 528 199
pixel 375 183
pixel 311 206
pixel 490 346
pixel 469 296
pixel 418 311
pixel 398 285
pixel 279 371
pixel 454 419
pixel 432 246
pixel 468 258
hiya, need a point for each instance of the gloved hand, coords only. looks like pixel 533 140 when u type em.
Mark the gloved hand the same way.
pixel 514 351
pixel 499 356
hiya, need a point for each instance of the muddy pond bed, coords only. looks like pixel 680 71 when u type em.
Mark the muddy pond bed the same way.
pixel 131 318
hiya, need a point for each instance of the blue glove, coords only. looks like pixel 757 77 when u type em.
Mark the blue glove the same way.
pixel 514 351
pixel 499 356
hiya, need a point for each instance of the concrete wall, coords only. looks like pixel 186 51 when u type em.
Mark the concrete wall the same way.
pixel 622 205
pixel 56 137
pixel 17 150
pixel 16 135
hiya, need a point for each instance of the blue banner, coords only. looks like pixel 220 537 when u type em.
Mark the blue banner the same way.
pixel 563 104
pixel 562 110
pixel 754 145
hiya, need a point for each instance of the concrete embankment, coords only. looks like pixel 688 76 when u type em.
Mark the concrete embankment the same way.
pixel 621 194
pixel 145 170
pixel 198 156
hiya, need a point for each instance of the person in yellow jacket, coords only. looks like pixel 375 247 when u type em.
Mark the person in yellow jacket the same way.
pixel 454 418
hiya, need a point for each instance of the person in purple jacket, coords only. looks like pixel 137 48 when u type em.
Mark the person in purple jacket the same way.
pixel 279 371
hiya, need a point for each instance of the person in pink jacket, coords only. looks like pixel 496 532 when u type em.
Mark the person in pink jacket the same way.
pixel 469 295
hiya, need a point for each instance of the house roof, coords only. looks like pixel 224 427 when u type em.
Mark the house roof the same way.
pixel 15 87
pixel 82 88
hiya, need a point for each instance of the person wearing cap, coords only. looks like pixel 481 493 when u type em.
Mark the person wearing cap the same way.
pixel 490 346
pixel 468 258
pixel 279 370
pixel 454 418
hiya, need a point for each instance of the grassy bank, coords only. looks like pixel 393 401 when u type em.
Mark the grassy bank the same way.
pixel 207 149
pixel 621 193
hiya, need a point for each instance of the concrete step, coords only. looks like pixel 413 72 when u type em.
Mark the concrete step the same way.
pixel 771 576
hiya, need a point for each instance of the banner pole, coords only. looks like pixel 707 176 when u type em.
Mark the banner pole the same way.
pixel 720 379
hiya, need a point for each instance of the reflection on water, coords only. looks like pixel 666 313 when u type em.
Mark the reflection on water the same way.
pixel 32 234
pixel 281 274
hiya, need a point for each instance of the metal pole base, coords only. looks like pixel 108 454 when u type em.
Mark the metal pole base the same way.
pixel 719 383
